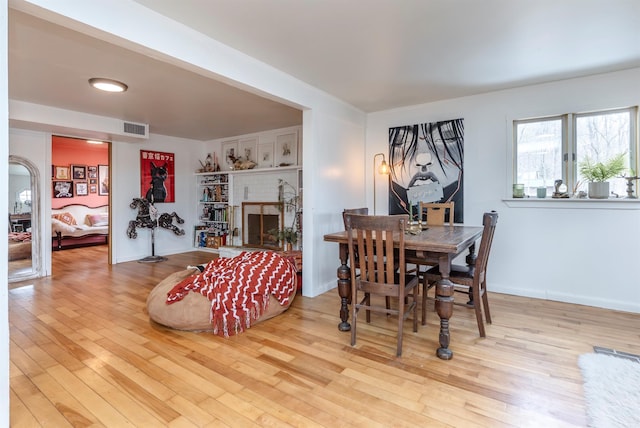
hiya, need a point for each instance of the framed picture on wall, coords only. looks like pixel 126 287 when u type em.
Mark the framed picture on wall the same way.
pixel 157 176
pixel 93 188
pixel 82 188
pixel 265 155
pixel 62 173
pixel 229 150
pixel 286 149
pixel 247 149
pixel 79 172
pixel 63 189
pixel 92 172
pixel 103 180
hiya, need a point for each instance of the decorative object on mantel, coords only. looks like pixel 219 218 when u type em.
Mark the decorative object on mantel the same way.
pixel 239 164
pixel 148 217
pixel 210 164
pixel 598 173
pixel 560 190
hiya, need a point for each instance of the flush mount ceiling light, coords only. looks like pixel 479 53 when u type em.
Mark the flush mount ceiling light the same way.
pixel 107 85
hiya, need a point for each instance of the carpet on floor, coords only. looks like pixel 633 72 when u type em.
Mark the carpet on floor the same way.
pixel 611 389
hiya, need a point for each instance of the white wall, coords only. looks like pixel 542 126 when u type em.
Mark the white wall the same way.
pixel 125 179
pixel 568 253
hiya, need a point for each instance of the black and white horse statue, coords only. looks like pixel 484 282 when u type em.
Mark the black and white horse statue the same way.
pixel 148 217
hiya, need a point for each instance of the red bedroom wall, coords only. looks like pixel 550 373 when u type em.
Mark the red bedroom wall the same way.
pixel 73 151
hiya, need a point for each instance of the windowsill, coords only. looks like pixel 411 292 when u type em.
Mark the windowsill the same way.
pixel 573 203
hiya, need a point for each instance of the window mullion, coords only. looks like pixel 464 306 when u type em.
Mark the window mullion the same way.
pixel 570 148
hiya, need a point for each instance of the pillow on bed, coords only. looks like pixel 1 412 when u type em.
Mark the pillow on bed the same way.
pixel 65 217
pixel 100 219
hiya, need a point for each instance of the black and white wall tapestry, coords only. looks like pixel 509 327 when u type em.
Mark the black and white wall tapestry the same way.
pixel 426 164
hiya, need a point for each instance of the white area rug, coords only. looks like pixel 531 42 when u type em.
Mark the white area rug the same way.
pixel 611 390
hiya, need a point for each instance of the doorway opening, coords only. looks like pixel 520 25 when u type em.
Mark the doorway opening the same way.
pixel 80 198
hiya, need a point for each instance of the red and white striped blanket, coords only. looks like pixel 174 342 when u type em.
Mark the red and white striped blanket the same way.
pixel 239 288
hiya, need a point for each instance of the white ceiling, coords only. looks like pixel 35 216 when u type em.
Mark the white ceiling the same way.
pixel 374 54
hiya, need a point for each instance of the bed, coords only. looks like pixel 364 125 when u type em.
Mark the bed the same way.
pixel 226 296
pixel 19 246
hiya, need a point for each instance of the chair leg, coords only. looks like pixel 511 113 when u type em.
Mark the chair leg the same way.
pixel 425 288
pixel 354 317
pixel 478 310
pixel 367 302
pixel 416 291
pixel 485 303
pixel 401 307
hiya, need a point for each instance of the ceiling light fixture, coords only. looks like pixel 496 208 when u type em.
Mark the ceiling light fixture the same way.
pixel 94 142
pixel 107 85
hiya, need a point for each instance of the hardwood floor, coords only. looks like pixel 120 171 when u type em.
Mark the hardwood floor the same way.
pixel 83 352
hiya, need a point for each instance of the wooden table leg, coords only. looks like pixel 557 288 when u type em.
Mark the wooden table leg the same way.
pixel 444 306
pixel 344 288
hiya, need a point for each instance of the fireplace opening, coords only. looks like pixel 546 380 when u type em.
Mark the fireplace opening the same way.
pixel 260 223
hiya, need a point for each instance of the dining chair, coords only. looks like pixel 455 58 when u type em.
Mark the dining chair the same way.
pixel 361 211
pixel 432 214
pixel 436 212
pixel 471 280
pixel 382 270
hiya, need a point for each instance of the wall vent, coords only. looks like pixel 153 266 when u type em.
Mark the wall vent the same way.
pixel 135 129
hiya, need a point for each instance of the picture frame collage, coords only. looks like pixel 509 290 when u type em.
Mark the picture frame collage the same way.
pixel 270 154
pixel 77 180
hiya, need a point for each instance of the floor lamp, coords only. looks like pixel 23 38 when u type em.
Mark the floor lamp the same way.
pixel 383 169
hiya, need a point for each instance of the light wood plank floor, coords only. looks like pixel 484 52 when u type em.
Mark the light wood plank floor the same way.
pixel 83 353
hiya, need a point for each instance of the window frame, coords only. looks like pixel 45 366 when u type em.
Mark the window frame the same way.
pixel 568 145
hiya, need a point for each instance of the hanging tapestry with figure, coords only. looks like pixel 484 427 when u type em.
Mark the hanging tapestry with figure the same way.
pixel 157 176
pixel 426 166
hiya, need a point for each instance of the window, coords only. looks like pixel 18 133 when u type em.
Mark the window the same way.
pixel 552 148
pixel 25 196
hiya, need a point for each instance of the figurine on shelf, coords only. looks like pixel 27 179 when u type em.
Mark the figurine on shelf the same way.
pixel 630 181
pixel 560 190
pixel 239 164
pixel 209 165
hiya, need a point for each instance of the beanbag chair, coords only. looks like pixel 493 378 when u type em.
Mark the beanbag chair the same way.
pixel 228 296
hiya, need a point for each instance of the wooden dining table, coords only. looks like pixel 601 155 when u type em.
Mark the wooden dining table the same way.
pixel 436 245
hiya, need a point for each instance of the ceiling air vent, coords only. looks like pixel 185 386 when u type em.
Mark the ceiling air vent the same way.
pixel 135 129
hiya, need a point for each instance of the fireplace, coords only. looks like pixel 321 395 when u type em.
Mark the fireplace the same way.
pixel 260 223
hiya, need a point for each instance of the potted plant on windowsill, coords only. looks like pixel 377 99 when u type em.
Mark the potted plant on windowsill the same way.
pixel 598 173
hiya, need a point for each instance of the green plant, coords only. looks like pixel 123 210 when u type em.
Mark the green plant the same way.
pixel 288 234
pixel 602 171
pixel 289 198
